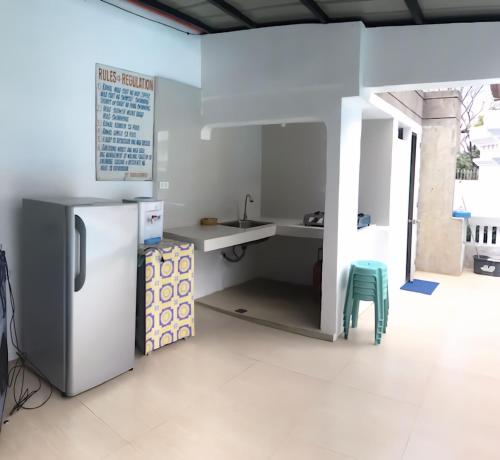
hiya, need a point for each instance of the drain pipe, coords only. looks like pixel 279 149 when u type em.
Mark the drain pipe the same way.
pixel 237 257
pixel 243 248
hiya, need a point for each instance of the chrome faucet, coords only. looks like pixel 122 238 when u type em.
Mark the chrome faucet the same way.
pixel 247 198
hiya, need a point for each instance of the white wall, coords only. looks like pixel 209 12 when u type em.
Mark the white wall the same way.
pixel 281 59
pixel 293 169
pixel 342 189
pixel 276 74
pixel 372 243
pixel 418 56
pixel 293 184
pixel 384 187
pixel 377 137
pixel 288 259
pixel 207 178
pixel 49 52
pixel 480 196
pixel 376 190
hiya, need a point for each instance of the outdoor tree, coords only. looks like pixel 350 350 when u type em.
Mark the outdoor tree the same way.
pixel 470 116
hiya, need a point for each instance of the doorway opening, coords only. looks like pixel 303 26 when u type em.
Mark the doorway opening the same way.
pixel 279 285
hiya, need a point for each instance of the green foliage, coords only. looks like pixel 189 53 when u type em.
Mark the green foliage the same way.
pixel 464 159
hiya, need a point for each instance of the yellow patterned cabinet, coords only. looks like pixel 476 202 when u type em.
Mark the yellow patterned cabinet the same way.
pixel 165 294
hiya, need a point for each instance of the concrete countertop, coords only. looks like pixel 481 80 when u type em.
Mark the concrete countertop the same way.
pixel 213 237
pixel 294 227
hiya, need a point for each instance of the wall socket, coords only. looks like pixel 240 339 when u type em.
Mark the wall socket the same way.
pixel 164 185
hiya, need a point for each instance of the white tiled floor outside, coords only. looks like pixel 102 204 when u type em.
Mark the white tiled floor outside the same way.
pixel 431 390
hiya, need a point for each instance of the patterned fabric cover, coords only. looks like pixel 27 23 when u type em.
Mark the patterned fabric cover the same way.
pixel 169 293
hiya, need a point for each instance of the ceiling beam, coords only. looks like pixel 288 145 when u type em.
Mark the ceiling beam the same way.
pixel 174 13
pixel 230 10
pixel 389 23
pixel 469 18
pixel 315 9
pixel 416 11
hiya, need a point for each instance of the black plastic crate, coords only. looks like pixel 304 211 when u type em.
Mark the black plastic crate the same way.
pixel 485 265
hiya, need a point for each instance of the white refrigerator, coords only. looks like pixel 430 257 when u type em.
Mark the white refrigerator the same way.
pixel 79 262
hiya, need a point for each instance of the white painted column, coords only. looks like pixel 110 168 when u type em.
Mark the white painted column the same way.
pixel 341 208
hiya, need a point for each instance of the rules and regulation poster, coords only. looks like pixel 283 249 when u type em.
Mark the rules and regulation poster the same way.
pixel 124 124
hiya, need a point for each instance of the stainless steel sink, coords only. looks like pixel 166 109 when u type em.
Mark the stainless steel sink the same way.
pixel 245 223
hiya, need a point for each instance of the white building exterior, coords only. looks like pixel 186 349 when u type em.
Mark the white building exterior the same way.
pixel 479 196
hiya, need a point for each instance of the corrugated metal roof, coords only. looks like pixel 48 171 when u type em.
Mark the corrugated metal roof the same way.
pixel 211 16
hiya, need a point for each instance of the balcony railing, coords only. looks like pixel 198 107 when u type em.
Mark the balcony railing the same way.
pixel 483 231
pixel 467 174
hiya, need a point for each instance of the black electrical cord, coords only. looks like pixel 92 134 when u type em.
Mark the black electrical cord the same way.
pixel 4 381
pixel 22 392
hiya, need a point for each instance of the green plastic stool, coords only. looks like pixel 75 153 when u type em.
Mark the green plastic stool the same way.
pixel 367 281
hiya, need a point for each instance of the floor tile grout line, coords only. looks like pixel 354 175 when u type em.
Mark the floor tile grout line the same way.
pixel 129 444
pixel 103 421
pixel 294 426
pixel 283 438
pixel 414 424
pixel 244 355
pixel 420 407
pixel 417 405
pixel 345 454
pixel 344 367
pixel 330 382
pixel 238 374
pixel 302 374
pixel 288 434
pixel 371 393
pixel 466 372
pixel 257 360
pixel 217 388
pixel 237 354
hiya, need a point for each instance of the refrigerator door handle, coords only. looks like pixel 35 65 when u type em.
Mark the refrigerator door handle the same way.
pixel 82 231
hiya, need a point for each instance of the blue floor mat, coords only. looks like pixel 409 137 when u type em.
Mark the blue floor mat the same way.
pixel 420 286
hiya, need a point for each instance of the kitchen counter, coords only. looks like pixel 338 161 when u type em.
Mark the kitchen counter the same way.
pixel 294 227
pixel 213 237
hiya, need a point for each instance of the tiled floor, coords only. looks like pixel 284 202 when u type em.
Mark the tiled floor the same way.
pixel 286 306
pixel 431 390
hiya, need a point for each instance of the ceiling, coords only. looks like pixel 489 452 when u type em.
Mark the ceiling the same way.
pixel 215 16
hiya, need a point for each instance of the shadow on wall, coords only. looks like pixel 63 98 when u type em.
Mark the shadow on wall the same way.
pixel 288 259
pixel 293 169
